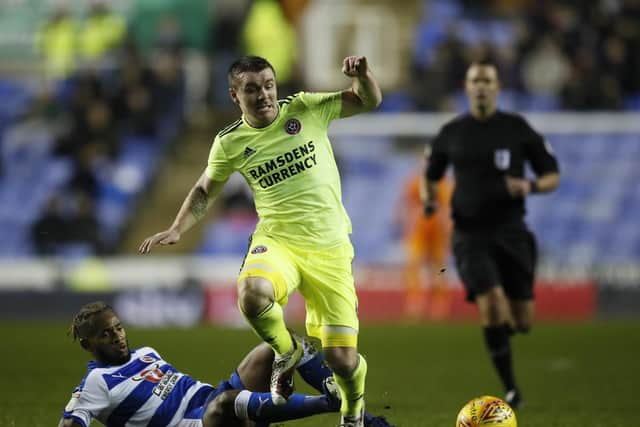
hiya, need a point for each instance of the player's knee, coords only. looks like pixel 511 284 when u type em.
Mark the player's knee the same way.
pixel 494 307
pixel 492 315
pixel 221 408
pixel 254 295
pixel 342 360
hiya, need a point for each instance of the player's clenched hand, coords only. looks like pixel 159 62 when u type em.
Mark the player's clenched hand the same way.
pixel 355 66
pixel 167 237
pixel 517 187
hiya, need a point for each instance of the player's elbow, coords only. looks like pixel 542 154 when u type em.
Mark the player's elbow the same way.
pixel 369 100
pixel 375 101
pixel 367 105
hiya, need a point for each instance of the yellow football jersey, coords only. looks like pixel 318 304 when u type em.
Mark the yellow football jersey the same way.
pixel 291 169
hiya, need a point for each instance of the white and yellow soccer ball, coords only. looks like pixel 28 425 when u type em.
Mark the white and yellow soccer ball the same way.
pixel 486 411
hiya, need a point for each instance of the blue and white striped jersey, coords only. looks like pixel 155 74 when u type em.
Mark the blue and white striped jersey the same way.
pixel 145 391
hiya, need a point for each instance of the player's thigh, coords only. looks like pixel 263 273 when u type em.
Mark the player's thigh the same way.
pixel 517 256
pixel 330 296
pixel 475 262
pixel 255 369
pixel 268 259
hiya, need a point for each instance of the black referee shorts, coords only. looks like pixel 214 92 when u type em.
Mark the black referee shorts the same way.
pixel 504 256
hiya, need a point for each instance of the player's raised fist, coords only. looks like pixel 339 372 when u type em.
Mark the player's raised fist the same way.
pixel 354 66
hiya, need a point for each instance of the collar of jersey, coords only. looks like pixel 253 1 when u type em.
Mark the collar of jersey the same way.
pixel 95 364
pixel 269 126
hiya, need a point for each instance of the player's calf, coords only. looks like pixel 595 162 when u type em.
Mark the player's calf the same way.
pixel 220 411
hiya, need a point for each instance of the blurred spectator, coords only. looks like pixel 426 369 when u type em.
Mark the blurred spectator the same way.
pixel 83 225
pixel 56 42
pixel 67 221
pixel 133 103
pixel 84 179
pixel 50 229
pixel 102 31
pixel 169 34
pixel 92 124
pixel 169 84
pixel 101 128
pixel 268 33
pixel 585 90
pixel 293 9
pixel 620 64
pixel 426 244
pixel 442 75
pixel 139 111
pixel 225 45
pixel 545 69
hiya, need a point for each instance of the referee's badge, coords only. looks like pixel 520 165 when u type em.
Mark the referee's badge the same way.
pixel 502 159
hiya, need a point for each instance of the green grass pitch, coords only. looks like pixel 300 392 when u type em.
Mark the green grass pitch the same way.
pixel 582 374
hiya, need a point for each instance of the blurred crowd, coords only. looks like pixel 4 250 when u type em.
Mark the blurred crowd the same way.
pixel 101 89
pixel 576 55
pixel 111 76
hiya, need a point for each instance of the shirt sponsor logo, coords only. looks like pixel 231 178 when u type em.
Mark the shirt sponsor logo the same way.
pixel 163 389
pixel 260 249
pixel 502 159
pixel 153 374
pixel 293 126
pixel 285 166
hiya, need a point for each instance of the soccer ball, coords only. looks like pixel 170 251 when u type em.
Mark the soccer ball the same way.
pixel 486 411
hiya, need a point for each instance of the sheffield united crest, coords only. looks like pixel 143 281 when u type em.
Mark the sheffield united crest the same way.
pixel 293 126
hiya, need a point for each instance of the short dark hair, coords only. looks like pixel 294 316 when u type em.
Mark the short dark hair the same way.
pixel 83 321
pixel 248 63
pixel 485 61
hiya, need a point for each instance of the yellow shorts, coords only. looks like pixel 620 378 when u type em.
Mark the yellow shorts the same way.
pixel 324 278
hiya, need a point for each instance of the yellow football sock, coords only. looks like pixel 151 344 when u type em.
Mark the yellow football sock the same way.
pixel 269 325
pixel 352 389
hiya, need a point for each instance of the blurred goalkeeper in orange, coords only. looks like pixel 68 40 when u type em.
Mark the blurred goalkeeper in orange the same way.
pixel 426 242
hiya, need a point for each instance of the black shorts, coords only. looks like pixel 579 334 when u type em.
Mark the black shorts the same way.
pixel 504 256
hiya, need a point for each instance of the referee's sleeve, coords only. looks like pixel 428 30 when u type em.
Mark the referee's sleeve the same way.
pixel 438 159
pixel 539 153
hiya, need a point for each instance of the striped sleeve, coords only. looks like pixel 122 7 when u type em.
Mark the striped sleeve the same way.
pixel 88 399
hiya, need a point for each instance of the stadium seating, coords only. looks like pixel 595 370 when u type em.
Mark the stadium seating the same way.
pixel 30 174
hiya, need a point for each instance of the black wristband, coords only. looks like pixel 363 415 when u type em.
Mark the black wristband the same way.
pixel 533 186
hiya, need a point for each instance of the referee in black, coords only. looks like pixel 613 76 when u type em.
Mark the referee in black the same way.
pixel 494 250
